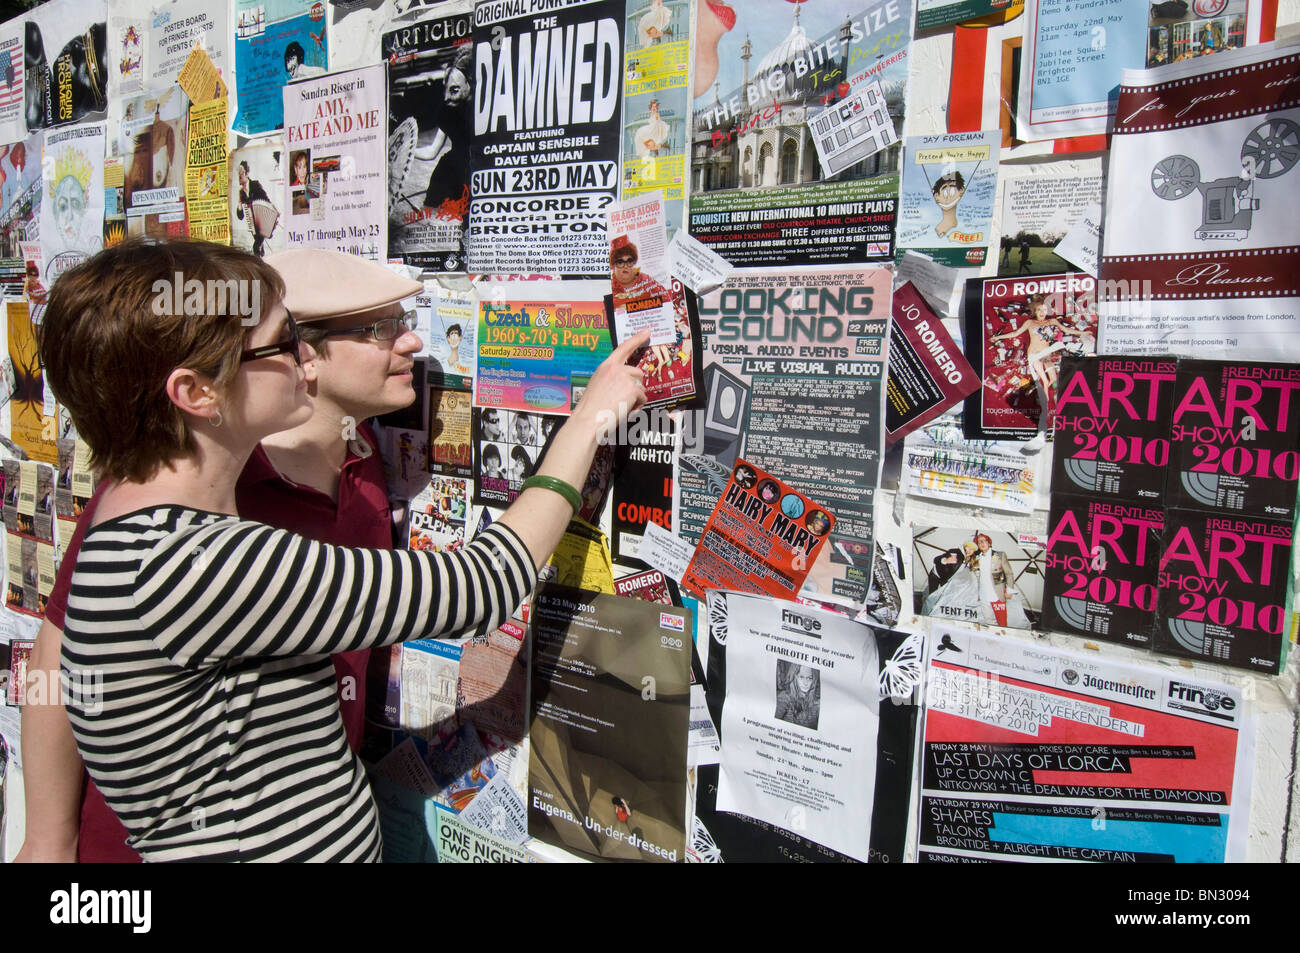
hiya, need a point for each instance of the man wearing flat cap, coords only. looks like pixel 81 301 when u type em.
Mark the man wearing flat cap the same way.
pixel 321 479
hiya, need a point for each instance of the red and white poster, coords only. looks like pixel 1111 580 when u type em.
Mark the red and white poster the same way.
pixel 1033 754
pixel 763 536
pixel 1201 252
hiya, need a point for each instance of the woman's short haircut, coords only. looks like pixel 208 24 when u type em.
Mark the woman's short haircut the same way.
pixel 112 335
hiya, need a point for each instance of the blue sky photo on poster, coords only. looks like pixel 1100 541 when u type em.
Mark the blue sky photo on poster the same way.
pixel 275 41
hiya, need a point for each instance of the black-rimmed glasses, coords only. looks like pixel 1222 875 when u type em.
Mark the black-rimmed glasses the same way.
pixel 291 346
pixel 385 329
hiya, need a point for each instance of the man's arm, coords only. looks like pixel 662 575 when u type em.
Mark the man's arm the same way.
pixel 52 769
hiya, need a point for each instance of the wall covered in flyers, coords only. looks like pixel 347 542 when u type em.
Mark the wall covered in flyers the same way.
pixel 972 397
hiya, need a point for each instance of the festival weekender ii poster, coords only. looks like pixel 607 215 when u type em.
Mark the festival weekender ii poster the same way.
pixel 796 119
pixel 546 135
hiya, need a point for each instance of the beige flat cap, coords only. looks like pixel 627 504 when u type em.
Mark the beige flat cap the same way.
pixel 320 284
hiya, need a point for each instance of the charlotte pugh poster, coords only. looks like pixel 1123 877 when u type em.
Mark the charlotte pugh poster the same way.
pixel 275 41
pixel 610 705
pixel 430 124
pixel 1016 333
pixel 1030 752
pixel 794 382
pixel 774 84
pixel 547 136
pixel 334 132
pixel 978 575
pixel 798 712
pixel 257 218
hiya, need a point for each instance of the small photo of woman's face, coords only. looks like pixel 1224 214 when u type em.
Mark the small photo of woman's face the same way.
pixel 300 168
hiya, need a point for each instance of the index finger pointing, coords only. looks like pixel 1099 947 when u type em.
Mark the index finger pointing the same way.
pixel 632 345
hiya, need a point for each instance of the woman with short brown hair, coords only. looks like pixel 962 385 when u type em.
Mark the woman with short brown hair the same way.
pixel 217 734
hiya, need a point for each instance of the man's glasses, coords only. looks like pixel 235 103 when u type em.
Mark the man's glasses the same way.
pixel 291 346
pixel 385 329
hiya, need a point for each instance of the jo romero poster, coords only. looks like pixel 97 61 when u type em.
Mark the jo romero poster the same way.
pixel 276 41
pixel 539 343
pixel 334 134
pixel 773 82
pixel 547 136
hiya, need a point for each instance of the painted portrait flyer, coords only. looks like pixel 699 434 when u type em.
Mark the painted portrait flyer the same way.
pixel 256 191
pixel 762 536
pixel 65 63
pixel 430 121
pixel 547 136
pixel 334 133
pixel 794 376
pixel 610 706
pixel 945 208
pixel 275 41
pixel 72 208
pixel 776 705
pixel 978 574
pixel 927 372
pixel 1072 61
pixel 538 344
pixel 1016 333
pixel 451 332
pixel 1031 753
pixel 1199 256
pixel 774 90
pixel 656 103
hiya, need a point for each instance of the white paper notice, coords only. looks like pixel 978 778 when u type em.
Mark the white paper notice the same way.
pixel 702 745
pixel 800 721
pixel 499 810
pixel 660 320
pixel 696 265
pixel 1081 246
pixel 664 550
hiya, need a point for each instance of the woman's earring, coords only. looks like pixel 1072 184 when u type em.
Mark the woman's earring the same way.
pixel 216 420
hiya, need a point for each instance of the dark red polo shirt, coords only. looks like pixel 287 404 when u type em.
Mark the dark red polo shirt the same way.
pixel 360 519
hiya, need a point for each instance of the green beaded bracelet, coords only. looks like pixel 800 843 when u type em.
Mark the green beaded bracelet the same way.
pixel 558 486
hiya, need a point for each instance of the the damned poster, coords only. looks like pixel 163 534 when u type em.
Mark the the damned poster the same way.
pixel 546 135
pixel 430 123
pixel 796 118
pixel 334 133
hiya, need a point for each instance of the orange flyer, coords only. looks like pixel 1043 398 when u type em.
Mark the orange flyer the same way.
pixel 761 537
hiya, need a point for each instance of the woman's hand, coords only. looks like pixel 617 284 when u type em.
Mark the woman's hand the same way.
pixel 614 391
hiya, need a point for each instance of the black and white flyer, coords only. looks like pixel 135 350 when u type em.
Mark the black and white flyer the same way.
pixel 798 732
pixel 430 115
pixel 546 135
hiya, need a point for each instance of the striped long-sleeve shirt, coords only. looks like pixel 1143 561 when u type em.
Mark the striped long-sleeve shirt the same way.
pixel 217 734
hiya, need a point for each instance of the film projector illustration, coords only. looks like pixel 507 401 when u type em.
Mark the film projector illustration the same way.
pixel 1270 149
